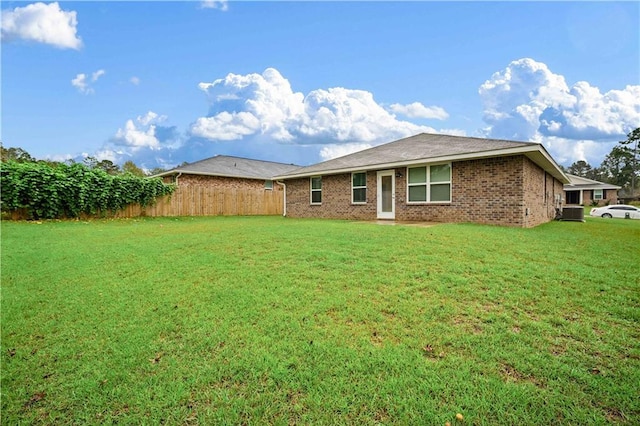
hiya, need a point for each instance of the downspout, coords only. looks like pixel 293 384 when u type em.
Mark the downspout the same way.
pixel 177 176
pixel 284 187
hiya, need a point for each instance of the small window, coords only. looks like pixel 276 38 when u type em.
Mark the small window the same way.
pixel 359 188
pixel 429 184
pixel 597 194
pixel 268 184
pixel 316 190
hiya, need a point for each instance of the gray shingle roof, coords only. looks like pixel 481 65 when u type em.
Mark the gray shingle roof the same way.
pixel 224 165
pixel 423 147
pixel 579 182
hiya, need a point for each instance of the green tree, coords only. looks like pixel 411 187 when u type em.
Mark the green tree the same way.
pixel 580 168
pixel 156 171
pixel 630 146
pixel 617 167
pixel 106 165
pixel 15 154
pixel 596 173
pixel 622 165
pixel 130 167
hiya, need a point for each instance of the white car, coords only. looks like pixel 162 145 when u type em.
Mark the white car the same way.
pixel 616 210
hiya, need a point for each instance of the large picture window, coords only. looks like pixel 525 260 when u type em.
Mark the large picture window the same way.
pixel 429 184
pixel 359 188
pixel 316 190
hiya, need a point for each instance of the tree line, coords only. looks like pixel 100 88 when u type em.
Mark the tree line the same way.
pixel 21 156
pixel 620 167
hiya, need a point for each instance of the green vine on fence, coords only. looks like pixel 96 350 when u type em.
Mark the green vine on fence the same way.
pixel 69 190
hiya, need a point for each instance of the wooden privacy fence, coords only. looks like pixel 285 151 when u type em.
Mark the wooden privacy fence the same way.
pixel 205 201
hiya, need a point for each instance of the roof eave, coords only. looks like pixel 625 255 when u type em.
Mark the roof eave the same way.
pixel 190 172
pixel 587 187
pixel 536 153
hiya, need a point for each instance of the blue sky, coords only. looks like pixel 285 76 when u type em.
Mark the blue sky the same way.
pixel 160 83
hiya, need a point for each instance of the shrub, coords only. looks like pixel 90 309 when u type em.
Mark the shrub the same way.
pixel 67 191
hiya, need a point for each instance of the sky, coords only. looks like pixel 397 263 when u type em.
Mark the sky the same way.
pixel 160 83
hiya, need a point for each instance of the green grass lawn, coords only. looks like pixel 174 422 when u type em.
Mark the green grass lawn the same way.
pixel 267 320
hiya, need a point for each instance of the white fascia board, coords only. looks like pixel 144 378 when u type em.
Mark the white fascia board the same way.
pixel 167 173
pixel 570 187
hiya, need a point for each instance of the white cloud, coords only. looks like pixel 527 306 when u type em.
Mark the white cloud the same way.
pixel 150 118
pixel 526 101
pixel 96 75
pixel 42 23
pixel 567 151
pixel 82 81
pixel 452 132
pixel 226 126
pixel 105 154
pixel 139 136
pixel 264 105
pixel 417 110
pixel 215 4
pixel 261 116
pixel 135 80
pixel 329 152
pixel 265 101
pixel 146 141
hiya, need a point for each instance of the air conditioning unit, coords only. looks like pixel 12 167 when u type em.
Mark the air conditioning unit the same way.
pixel 574 213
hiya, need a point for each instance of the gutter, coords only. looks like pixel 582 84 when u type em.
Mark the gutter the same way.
pixel 284 202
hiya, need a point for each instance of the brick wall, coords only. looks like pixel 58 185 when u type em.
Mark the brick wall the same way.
pixel 220 182
pixel 488 191
pixel 336 198
pixel 610 197
pixel 540 190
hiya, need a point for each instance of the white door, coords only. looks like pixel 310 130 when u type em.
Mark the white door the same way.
pixel 387 194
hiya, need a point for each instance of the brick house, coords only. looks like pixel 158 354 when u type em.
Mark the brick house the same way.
pixel 225 172
pixel 583 191
pixel 223 185
pixel 430 177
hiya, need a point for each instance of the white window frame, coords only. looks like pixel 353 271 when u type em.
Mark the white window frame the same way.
pixel 428 183
pixel 353 188
pixel 312 190
pixel 597 192
pixel 268 184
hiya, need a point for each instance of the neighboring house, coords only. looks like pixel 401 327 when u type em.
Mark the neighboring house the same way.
pixel 583 191
pixel 222 185
pixel 627 195
pixel 224 171
pixel 431 177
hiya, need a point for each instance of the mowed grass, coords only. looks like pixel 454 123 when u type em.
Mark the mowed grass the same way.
pixel 268 320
